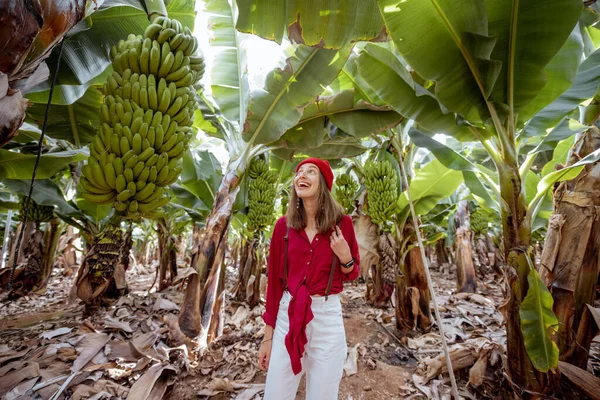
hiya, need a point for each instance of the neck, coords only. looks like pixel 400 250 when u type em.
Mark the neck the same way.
pixel 310 208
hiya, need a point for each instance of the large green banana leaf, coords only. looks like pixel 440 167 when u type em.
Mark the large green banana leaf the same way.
pixel 229 75
pixel 75 122
pixel 45 192
pixel 560 75
pixel 524 49
pixel 278 107
pixel 585 86
pixel 330 24
pixel 201 176
pixel 428 186
pixel 473 63
pixel 356 118
pixel 485 196
pixel 20 166
pixel 384 74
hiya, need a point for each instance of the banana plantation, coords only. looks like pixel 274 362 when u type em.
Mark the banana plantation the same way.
pixel 147 148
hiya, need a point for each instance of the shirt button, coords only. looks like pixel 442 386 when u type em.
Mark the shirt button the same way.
pixel 317 239
pixel 308 263
pixel 311 250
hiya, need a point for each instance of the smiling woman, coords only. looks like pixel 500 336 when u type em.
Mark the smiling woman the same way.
pixel 305 330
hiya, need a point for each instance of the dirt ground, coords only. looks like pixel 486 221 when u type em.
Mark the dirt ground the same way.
pixel 382 363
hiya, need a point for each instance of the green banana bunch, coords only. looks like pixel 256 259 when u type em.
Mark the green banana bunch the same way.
pixel 261 195
pixel 36 212
pixel 345 192
pixel 145 120
pixel 479 221
pixel 381 181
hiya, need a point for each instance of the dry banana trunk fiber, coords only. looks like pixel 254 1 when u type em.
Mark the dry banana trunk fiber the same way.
pixel 571 257
pixel 412 292
pixel 465 269
pixel 102 275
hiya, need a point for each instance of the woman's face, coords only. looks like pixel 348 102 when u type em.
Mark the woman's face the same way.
pixel 306 181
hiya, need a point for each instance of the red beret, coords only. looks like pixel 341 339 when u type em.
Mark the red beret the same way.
pixel 323 166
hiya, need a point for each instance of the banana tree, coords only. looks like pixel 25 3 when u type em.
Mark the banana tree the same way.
pixel 493 65
pixel 252 124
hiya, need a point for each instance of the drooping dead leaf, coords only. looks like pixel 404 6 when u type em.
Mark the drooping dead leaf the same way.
pixel 153 384
pixel 477 372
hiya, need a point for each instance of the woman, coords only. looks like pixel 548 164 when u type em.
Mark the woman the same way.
pixel 313 250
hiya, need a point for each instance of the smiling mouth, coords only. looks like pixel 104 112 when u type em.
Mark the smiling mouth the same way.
pixel 303 185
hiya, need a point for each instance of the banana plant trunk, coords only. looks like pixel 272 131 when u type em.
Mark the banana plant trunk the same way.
pixel 465 269
pixel 29 229
pixel 442 254
pixel 570 259
pixel 207 258
pixel 412 292
pixel 250 273
pixel 167 257
pixel 525 381
pixel 51 239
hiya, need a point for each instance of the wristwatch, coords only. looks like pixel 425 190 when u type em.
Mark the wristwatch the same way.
pixel 348 264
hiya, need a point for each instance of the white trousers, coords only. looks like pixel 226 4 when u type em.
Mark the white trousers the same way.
pixel 324 356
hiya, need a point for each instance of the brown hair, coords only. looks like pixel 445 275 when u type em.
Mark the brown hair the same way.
pixel 329 212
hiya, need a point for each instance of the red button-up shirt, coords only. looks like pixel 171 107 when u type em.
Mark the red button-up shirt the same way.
pixel 309 266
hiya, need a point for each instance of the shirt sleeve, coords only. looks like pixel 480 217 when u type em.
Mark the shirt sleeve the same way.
pixel 350 235
pixel 274 284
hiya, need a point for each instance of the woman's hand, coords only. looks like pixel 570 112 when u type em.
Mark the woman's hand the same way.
pixel 340 246
pixel 264 354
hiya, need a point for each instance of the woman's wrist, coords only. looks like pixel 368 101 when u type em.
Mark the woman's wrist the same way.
pixel 266 340
pixel 347 262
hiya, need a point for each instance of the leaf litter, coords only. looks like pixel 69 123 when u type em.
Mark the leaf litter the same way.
pixel 135 350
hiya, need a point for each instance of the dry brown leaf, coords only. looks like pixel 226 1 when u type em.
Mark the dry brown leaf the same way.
pixel 111 324
pixel 87 348
pixel 12 379
pixel 101 389
pixel 55 333
pixel 164 304
pixel 21 389
pixel 241 314
pixel 11 355
pixel 11 366
pixel 477 372
pixel 153 384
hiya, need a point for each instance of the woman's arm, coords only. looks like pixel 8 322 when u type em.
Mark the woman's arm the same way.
pixel 352 272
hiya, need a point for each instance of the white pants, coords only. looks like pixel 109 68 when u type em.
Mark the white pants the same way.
pixel 324 356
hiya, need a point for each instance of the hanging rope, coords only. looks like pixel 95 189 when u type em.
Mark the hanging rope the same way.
pixel 429 281
pixel 37 161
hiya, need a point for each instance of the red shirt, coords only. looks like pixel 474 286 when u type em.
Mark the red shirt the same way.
pixel 309 266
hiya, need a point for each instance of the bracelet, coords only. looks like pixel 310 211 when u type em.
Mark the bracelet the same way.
pixel 349 264
pixel 265 341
